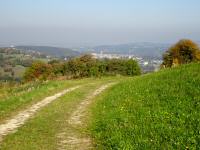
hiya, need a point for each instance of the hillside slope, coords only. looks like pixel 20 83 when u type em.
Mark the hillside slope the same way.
pixel 154 111
pixel 140 49
pixel 49 115
pixel 13 62
pixel 52 51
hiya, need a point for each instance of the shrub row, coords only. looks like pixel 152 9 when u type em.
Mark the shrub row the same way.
pixel 84 66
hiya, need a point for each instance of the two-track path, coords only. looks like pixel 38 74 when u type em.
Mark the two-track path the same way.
pixel 70 137
pixel 17 121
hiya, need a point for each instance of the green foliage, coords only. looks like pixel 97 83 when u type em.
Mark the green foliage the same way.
pixel 132 68
pixel 38 70
pixel 41 131
pixel 155 111
pixel 183 52
pixel 13 63
pixel 81 67
pixel 15 97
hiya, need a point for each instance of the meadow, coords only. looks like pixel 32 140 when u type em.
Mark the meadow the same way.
pixel 20 96
pixel 44 129
pixel 154 111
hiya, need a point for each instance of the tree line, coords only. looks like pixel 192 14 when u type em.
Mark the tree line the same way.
pixel 183 52
pixel 84 66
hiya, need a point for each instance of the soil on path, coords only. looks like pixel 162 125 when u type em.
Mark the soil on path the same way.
pixel 71 138
pixel 11 125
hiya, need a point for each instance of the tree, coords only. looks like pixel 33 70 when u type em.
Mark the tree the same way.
pixel 57 66
pixel 132 68
pixel 1 57
pixel 38 70
pixel 87 62
pixel 183 52
pixel 116 66
pixel 84 66
pixel 13 73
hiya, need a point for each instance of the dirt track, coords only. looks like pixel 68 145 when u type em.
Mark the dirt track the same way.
pixel 72 139
pixel 15 122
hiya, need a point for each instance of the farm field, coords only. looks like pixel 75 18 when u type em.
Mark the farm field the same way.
pixel 13 62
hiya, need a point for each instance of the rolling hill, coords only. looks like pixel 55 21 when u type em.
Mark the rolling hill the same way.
pixel 13 62
pixel 144 49
pixel 155 111
pixel 52 51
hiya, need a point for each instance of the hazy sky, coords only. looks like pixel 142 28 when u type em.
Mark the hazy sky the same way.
pixel 68 23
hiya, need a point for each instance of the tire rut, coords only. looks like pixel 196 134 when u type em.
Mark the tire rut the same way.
pixel 11 125
pixel 71 138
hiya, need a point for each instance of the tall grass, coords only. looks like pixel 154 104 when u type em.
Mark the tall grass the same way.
pixel 155 111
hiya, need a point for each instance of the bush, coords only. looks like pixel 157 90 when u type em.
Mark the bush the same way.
pixel 38 70
pixel 84 66
pixel 132 68
pixel 183 52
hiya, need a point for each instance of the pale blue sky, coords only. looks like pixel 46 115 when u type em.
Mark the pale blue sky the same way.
pixel 69 23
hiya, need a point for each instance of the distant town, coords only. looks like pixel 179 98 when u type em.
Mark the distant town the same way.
pixel 147 65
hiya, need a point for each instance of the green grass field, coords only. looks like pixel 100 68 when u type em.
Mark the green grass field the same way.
pixel 42 130
pixel 15 98
pixel 155 111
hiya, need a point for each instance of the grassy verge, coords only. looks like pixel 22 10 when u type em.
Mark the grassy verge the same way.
pixel 41 131
pixel 155 111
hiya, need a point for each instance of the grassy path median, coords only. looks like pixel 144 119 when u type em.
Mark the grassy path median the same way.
pixel 42 131
pixel 21 97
